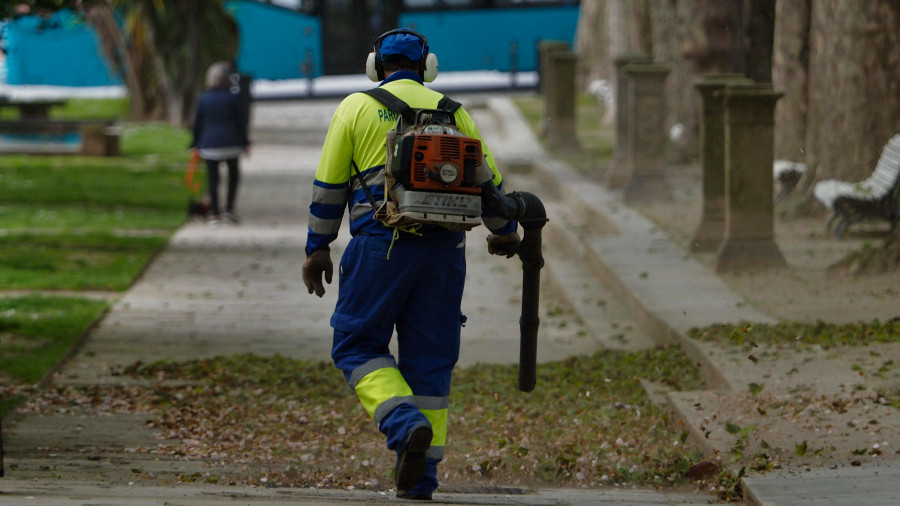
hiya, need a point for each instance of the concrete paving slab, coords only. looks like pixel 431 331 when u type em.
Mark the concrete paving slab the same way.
pixel 876 486
pixel 64 493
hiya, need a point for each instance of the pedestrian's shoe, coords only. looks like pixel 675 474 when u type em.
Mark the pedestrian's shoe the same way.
pixel 213 221
pixel 411 463
pixel 231 218
pixel 413 497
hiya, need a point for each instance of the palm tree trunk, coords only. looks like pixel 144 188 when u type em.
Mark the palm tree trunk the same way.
pixel 165 88
pixel 114 47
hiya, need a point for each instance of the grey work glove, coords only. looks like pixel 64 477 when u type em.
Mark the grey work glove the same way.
pixel 506 245
pixel 317 263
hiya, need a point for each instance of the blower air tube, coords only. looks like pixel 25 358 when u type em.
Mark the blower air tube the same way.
pixel 529 211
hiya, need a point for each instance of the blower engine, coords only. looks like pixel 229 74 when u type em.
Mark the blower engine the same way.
pixel 433 166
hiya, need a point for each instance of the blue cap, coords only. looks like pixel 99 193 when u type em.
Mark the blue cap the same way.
pixel 404 44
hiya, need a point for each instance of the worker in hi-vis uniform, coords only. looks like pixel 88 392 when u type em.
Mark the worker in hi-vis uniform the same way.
pixel 392 278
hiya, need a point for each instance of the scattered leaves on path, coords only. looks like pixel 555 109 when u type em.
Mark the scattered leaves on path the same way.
pixel 284 422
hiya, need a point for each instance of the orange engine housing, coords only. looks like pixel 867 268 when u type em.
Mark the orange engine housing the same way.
pixel 421 163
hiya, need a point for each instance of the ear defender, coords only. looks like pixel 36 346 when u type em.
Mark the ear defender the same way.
pixel 431 68
pixel 371 71
pixel 428 70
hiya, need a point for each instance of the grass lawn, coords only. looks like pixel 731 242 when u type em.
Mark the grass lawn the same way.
pixel 596 139
pixel 38 331
pixel 80 108
pixel 78 223
pixel 66 261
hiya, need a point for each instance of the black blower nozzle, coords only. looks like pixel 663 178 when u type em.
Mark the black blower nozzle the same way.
pixel 529 211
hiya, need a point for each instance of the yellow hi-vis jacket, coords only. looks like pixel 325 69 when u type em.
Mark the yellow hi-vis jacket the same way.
pixel 356 136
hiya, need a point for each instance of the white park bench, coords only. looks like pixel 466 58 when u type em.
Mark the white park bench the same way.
pixel 873 198
pixel 787 174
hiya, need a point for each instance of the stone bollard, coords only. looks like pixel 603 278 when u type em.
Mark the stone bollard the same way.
pixel 558 124
pixel 617 176
pixel 711 230
pixel 545 49
pixel 646 138
pixel 99 140
pixel 749 240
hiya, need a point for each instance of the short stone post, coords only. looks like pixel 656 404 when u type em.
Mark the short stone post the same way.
pixel 749 240
pixel 646 139
pixel 558 124
pixel 617 175
pixel 711 231
pixel 545 49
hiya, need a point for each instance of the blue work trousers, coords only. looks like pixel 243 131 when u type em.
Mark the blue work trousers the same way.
pixel 413 285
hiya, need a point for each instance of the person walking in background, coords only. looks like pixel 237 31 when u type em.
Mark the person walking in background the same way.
pixel 390 277
pixel 220 134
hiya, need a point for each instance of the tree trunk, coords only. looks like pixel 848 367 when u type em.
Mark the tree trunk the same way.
pixel 117 54
pixel 709 27
pixel 854 92
pixel 592 44
pixel 164 87
pixel 681 101
pixel 621 24
pixel 641 29
pixel 188 86
pixel 755 42
pixel 871 261
pixel 790 75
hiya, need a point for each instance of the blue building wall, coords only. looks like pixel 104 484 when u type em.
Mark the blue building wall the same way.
pixel 60 51
pixel 483 39
pixel 276 42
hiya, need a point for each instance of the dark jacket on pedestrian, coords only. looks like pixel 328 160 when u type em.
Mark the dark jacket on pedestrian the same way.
pixel 220 120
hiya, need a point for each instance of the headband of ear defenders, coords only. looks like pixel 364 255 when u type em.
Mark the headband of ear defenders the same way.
pixel 414 47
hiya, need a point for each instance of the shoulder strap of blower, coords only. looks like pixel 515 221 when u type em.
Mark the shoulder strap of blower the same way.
pixel 403 109
pixel 406 112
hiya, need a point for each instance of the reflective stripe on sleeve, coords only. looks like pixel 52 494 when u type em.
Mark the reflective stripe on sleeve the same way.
pixel 360 210
pixel 374 181
pixel 327 208
pixel 373 177
pixel 330 195
pixel 324 227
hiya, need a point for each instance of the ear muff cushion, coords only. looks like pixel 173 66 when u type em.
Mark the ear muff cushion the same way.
pixel 371 70
pixel 431 68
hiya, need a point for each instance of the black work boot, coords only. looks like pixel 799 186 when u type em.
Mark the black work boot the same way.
pixel 410 468
pixel 413 497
